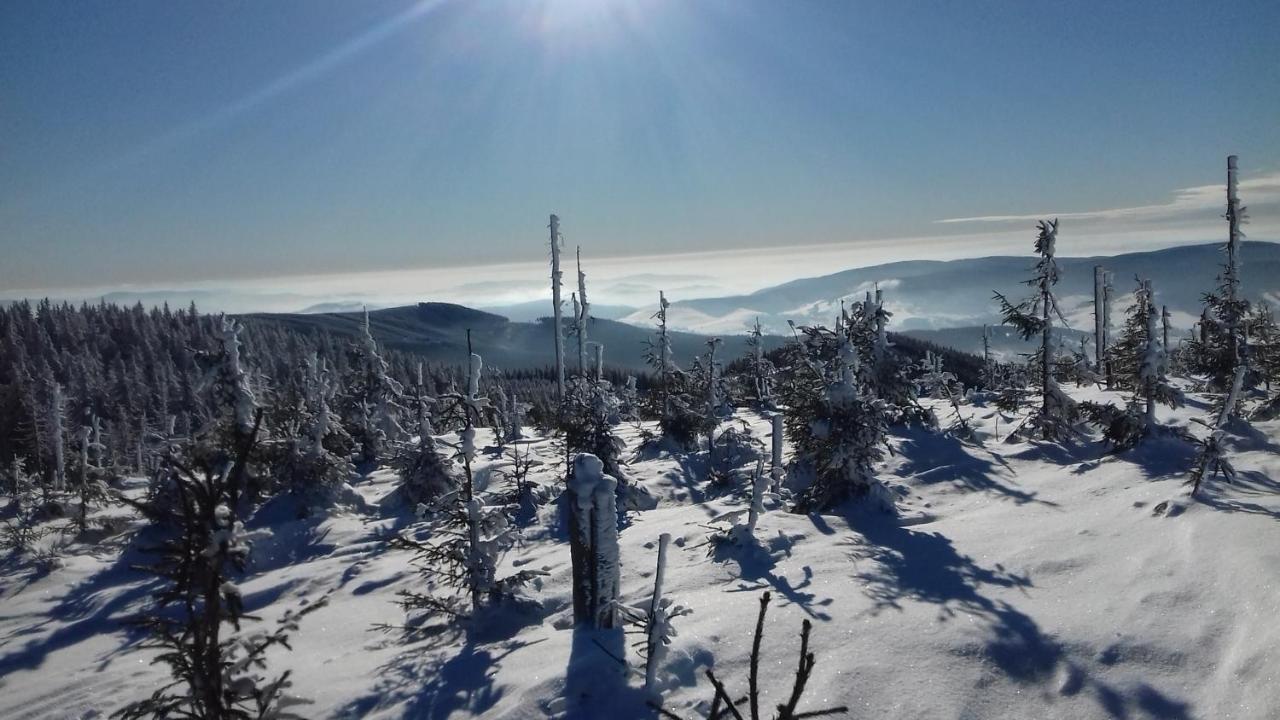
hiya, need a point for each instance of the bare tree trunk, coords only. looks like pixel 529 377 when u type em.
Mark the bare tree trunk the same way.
pixel 583 314
pixel 556 305
pixel 1099 322
pixel 655 629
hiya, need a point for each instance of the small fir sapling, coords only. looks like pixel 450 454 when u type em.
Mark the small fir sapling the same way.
pixel 376 398
pixel 629 400
pixel 309 469
pixel 838 430
pixel 1221 344
pixel 21 529
pixel 90 477
pixel 1055 417
pixel 723 704
pixel 939 383
pixel 1139 362
pixel 1211 458
pixel 520 490
pixel 762 370
pixel 883 372
pixel 215 673
pixel 466 537
pixel 1264 358
pixel 235 406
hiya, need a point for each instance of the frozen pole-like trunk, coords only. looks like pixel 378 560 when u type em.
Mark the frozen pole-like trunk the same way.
pixel 593 542
pixel 140 460
pixel 775 470
pixel 583 314
pixel 517 429
pixel 599 371
pixel 1233 220
pixel 1164 327
pixel 1099 321
pixel 1231 277
pixel 986 350
pixel 556 304
pixel 1152 357
pixel 653 657
pixel 758 485
pixel 55 426
pixel 664 352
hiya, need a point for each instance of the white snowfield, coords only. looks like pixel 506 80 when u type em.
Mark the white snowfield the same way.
pixel 1020 580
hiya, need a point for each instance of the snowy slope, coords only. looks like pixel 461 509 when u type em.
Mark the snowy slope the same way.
pixel 1020 581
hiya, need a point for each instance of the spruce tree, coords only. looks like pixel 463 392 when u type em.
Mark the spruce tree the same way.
pixel 1054 418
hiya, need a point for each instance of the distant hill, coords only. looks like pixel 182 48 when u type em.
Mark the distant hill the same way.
pixel 438 332
pixel 537 309
pixel 927 294
pixel 1006 344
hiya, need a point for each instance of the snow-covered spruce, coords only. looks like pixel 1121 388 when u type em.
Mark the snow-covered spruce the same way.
pixel 217 670
pixel 311 461
pixel 462 539
pixel 1056 415
pixel 836 428
pixel 1221 345
pixel 1211 460
pixel 1138 362
pixel 374 399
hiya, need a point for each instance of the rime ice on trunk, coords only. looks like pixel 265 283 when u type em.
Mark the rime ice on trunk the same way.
pixel 582 315
pixel 655 645
pixel 1231 274
pixel 593 542
pixel 775 470
pixel 759 483
pixel 664 352
pixel 1099 322
pixel 1212 456
pixel 1034 316
pixel 56 411
pixel 598 374
pixel 243 401
pixel 713 392
pixel 557 305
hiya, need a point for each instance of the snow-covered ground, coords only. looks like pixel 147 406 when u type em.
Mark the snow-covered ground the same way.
pixel 1020 580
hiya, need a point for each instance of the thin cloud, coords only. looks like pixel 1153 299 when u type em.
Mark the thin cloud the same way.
pixel 1186 202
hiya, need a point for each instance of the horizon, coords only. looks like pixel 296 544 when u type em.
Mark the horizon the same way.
pixel 328 140
pixel 523 283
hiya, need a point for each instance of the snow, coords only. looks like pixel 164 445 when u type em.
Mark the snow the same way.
pixel 1019 580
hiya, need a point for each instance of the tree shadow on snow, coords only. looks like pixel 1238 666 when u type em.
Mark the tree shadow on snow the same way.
pixel 595 684
pixel 909 565
pixel 431 685
pixel 1161 455
pixel 757 570
pixel 1217 495
pixel 99 605
pixel 930 457
pixel 434 678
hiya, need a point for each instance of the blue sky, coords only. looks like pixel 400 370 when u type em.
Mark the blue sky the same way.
pixel 170 143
